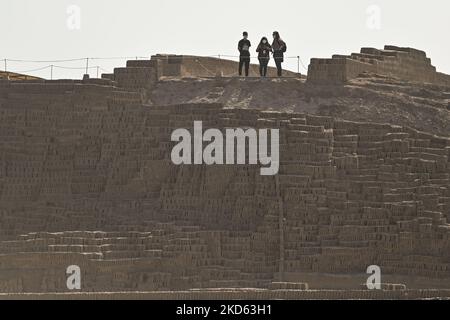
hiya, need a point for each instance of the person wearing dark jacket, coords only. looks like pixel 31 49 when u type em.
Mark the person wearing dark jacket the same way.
pixel 279 48
pixel 264 49
pixel 244 54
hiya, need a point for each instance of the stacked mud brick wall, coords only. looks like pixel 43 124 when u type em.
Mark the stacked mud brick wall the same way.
pixel 86 179
pixel 138 75
pixel 403 63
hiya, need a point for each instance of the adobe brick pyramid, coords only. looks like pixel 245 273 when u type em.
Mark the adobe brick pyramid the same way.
pixel 86 179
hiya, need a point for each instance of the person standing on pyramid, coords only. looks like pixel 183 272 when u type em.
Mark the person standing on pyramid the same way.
pixel 244 54
pixel 264 49
pixel 279 48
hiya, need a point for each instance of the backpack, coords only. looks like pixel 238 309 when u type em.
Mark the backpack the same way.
pixel 284 47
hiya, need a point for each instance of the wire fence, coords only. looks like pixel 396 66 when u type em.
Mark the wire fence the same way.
pixel 94 66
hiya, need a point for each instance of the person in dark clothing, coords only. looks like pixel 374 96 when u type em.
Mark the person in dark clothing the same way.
pixel 279 48
pixel 244 54
pixel 264 49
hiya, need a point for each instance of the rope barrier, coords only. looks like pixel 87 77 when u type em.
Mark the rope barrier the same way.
pixel 119 58
pixel 98 67
pixel 75 68
pixel 59 67
pixel 185 57
pixel 300 61
pixel 33 70
pixel 104 70
pixel 207 70
pixel 43 61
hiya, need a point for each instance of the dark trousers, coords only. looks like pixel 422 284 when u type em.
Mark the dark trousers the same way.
pixel 263 62
pixel 244 61
pixel 278 62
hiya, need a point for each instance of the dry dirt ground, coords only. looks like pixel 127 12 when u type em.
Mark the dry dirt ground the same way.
pixel 372 98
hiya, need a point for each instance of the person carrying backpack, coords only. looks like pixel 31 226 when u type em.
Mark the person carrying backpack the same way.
pixel 244 54
pixel 279 48
pixel 264 49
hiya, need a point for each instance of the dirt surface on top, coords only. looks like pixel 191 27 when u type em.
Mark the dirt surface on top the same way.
pixel 372 98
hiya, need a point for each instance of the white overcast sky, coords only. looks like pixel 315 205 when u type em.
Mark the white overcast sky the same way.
pixel 38 30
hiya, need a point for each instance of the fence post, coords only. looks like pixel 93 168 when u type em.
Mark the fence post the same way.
pixel 97 71
pixel 87 66
pixel 298 64
pixel 6 69
pixel 51 72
